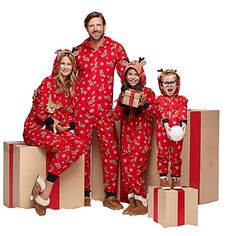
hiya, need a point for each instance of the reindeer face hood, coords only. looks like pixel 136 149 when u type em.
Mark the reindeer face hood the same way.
pixel 165 74
pixel 138 66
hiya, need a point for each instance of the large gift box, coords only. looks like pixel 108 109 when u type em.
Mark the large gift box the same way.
pixel 23 163
pixel 200 155
pixel 173 207
pixel 131 97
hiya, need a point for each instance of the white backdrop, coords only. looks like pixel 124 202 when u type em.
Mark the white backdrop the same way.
pixel 194 37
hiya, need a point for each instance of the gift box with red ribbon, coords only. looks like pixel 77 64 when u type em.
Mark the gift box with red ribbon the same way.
pixel 131 97
pixel 173 207
pixel 200 155
pixel 23 163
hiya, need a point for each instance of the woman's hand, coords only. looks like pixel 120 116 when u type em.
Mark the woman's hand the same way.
pixel 61 129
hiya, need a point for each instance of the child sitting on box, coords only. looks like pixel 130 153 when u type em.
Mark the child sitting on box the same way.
pixel 171 110
pixel 38 128
pixel 135 136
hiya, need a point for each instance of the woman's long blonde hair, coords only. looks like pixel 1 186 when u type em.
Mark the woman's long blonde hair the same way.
pixel 67 86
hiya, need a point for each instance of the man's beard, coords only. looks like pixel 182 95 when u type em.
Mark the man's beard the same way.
pixel 98 37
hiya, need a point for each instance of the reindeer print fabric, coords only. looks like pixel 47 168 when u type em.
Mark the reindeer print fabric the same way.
pixel 135 144
pixel 174 109
pixel 94 103
pixel 66 146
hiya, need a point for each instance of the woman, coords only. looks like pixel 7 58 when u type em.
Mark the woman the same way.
pixel 50 125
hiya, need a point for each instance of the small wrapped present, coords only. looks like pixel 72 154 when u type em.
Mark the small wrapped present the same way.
pixel 131 98
pixel 173 207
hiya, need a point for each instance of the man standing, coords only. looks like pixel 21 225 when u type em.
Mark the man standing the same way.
pixel 98 56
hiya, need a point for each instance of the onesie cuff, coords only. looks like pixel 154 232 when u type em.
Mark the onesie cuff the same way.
pixel 183 121
pixel 49 121
pixel 146 105
pixel 72 125
pixel 165 121
pixel 121 104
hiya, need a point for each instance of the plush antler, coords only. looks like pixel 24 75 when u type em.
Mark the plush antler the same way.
pixel 127 59
pixel 140 59
pixel 125 62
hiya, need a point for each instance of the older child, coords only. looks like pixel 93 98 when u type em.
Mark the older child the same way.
pixel 136 136
pixel 53 107
pixel 172 109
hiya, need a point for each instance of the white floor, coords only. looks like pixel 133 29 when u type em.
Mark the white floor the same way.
pixel 98 220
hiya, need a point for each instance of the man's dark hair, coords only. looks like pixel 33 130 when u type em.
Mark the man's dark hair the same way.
pixel 92 15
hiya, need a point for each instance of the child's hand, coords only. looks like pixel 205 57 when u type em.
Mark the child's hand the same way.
pixel 142 99
pixel 184 127
pixel 168 129
pixel 122 97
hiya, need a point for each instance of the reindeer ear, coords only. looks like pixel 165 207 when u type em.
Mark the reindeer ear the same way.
pixel 58 52
pixel 76 53
pixel 57 106
pixel 143 63
pixel 124 63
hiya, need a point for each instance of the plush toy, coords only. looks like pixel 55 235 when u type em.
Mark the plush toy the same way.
pixel 51 108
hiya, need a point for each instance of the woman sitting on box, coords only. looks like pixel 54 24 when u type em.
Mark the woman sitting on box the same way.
pixel 50 125
pixel 136 134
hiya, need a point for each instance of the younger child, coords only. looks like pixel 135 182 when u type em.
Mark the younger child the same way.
pixel 172 109
pixel 135 136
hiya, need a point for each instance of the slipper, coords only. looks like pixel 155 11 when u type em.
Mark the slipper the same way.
pixel 40 203
pixel 39 186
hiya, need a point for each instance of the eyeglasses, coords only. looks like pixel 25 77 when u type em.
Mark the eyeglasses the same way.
pixel 169 83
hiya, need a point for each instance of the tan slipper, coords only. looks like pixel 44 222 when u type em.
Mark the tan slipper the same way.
pixel 40 203
pixel 39 186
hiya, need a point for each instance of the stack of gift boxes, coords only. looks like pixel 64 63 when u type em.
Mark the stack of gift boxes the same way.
pixel 168 207
pixel 200 171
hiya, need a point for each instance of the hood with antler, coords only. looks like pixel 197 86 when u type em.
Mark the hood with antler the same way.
pixel 166 73
pixel 138 66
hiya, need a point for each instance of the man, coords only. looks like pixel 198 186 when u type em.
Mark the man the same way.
pixel 98 56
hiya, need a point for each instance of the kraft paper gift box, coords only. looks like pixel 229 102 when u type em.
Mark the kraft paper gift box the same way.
pixel 200 155
pixel 173 207
pixel 131 98
pixel 23 163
